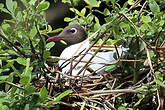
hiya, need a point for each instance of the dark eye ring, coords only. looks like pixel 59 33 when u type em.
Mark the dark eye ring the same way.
pixel 73 30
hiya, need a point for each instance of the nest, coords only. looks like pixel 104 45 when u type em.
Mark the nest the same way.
pixel 94 90
pixel 97 91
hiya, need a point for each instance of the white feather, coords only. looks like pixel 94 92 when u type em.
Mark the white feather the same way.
pixel 101 57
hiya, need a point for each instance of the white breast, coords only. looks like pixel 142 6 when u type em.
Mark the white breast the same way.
pixel 74 50
pixel 70 52
pixel 101 57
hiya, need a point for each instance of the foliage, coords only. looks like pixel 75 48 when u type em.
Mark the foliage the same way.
pixel 23 50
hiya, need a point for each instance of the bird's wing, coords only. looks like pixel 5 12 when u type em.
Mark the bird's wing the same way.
pixel 97 63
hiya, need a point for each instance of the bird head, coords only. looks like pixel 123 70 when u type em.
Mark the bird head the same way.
pixel 71 35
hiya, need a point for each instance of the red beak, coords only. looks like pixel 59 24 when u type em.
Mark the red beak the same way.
pixel 54 38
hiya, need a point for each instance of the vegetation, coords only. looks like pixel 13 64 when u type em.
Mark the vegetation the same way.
pixel 135 81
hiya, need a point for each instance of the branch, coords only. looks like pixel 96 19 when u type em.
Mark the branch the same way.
pixel 11 44
pixel 42 42
pixel 107 92
pixel 12 84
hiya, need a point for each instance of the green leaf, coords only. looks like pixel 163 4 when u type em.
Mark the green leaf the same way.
pixel 58 98
pixel 1 69
pixel 138 102
pixel 125 26
pixel 25 80
pixel 27 67
pixel 3 9
pixel 14 7
pixel 10 5
pixel 76 11
pixel 108 19
pixel 50 45
pixel 13 91
pixel 109 68
pixel 67 19
pixel 93 3
pixel 143 27
pixel 25 2
pixel 43 93
pixel 3 94
pixel 53 59
pixel 21 61
pixel 154 7
pixel 66 1
pixel 26 76
pixel 159 82
pixel 10 79
pixel 96 26
pixel 83 11
pixel 33 32
pixel 49 28
pixel 130 2
pixel 27 107
pixel 111 42
pixel 3 78
pixel 1 6
pixel 121 108
pixel 90 18
pixel 151 52
pixel 7 28
pixel 56 30
pixel 161 22
pixel 19 16
pixel 32 2
pixel 35 42
pixel 108 86
pixel 97 20
pixel 10 21
pixel 146 19
pixel 29 89
pixel 159 75
pixel 100 41
pixel 114 2
pixel 106 12
pixel 46 54
pixel 44 5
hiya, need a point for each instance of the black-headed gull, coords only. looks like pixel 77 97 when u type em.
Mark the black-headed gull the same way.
pixel 75 35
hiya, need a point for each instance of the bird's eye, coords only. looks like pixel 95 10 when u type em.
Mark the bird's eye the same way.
pixel 73 30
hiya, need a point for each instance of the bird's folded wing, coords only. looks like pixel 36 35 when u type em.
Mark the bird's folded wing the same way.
pixel 96 63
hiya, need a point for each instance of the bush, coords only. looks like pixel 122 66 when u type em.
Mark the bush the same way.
pixel 29 83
